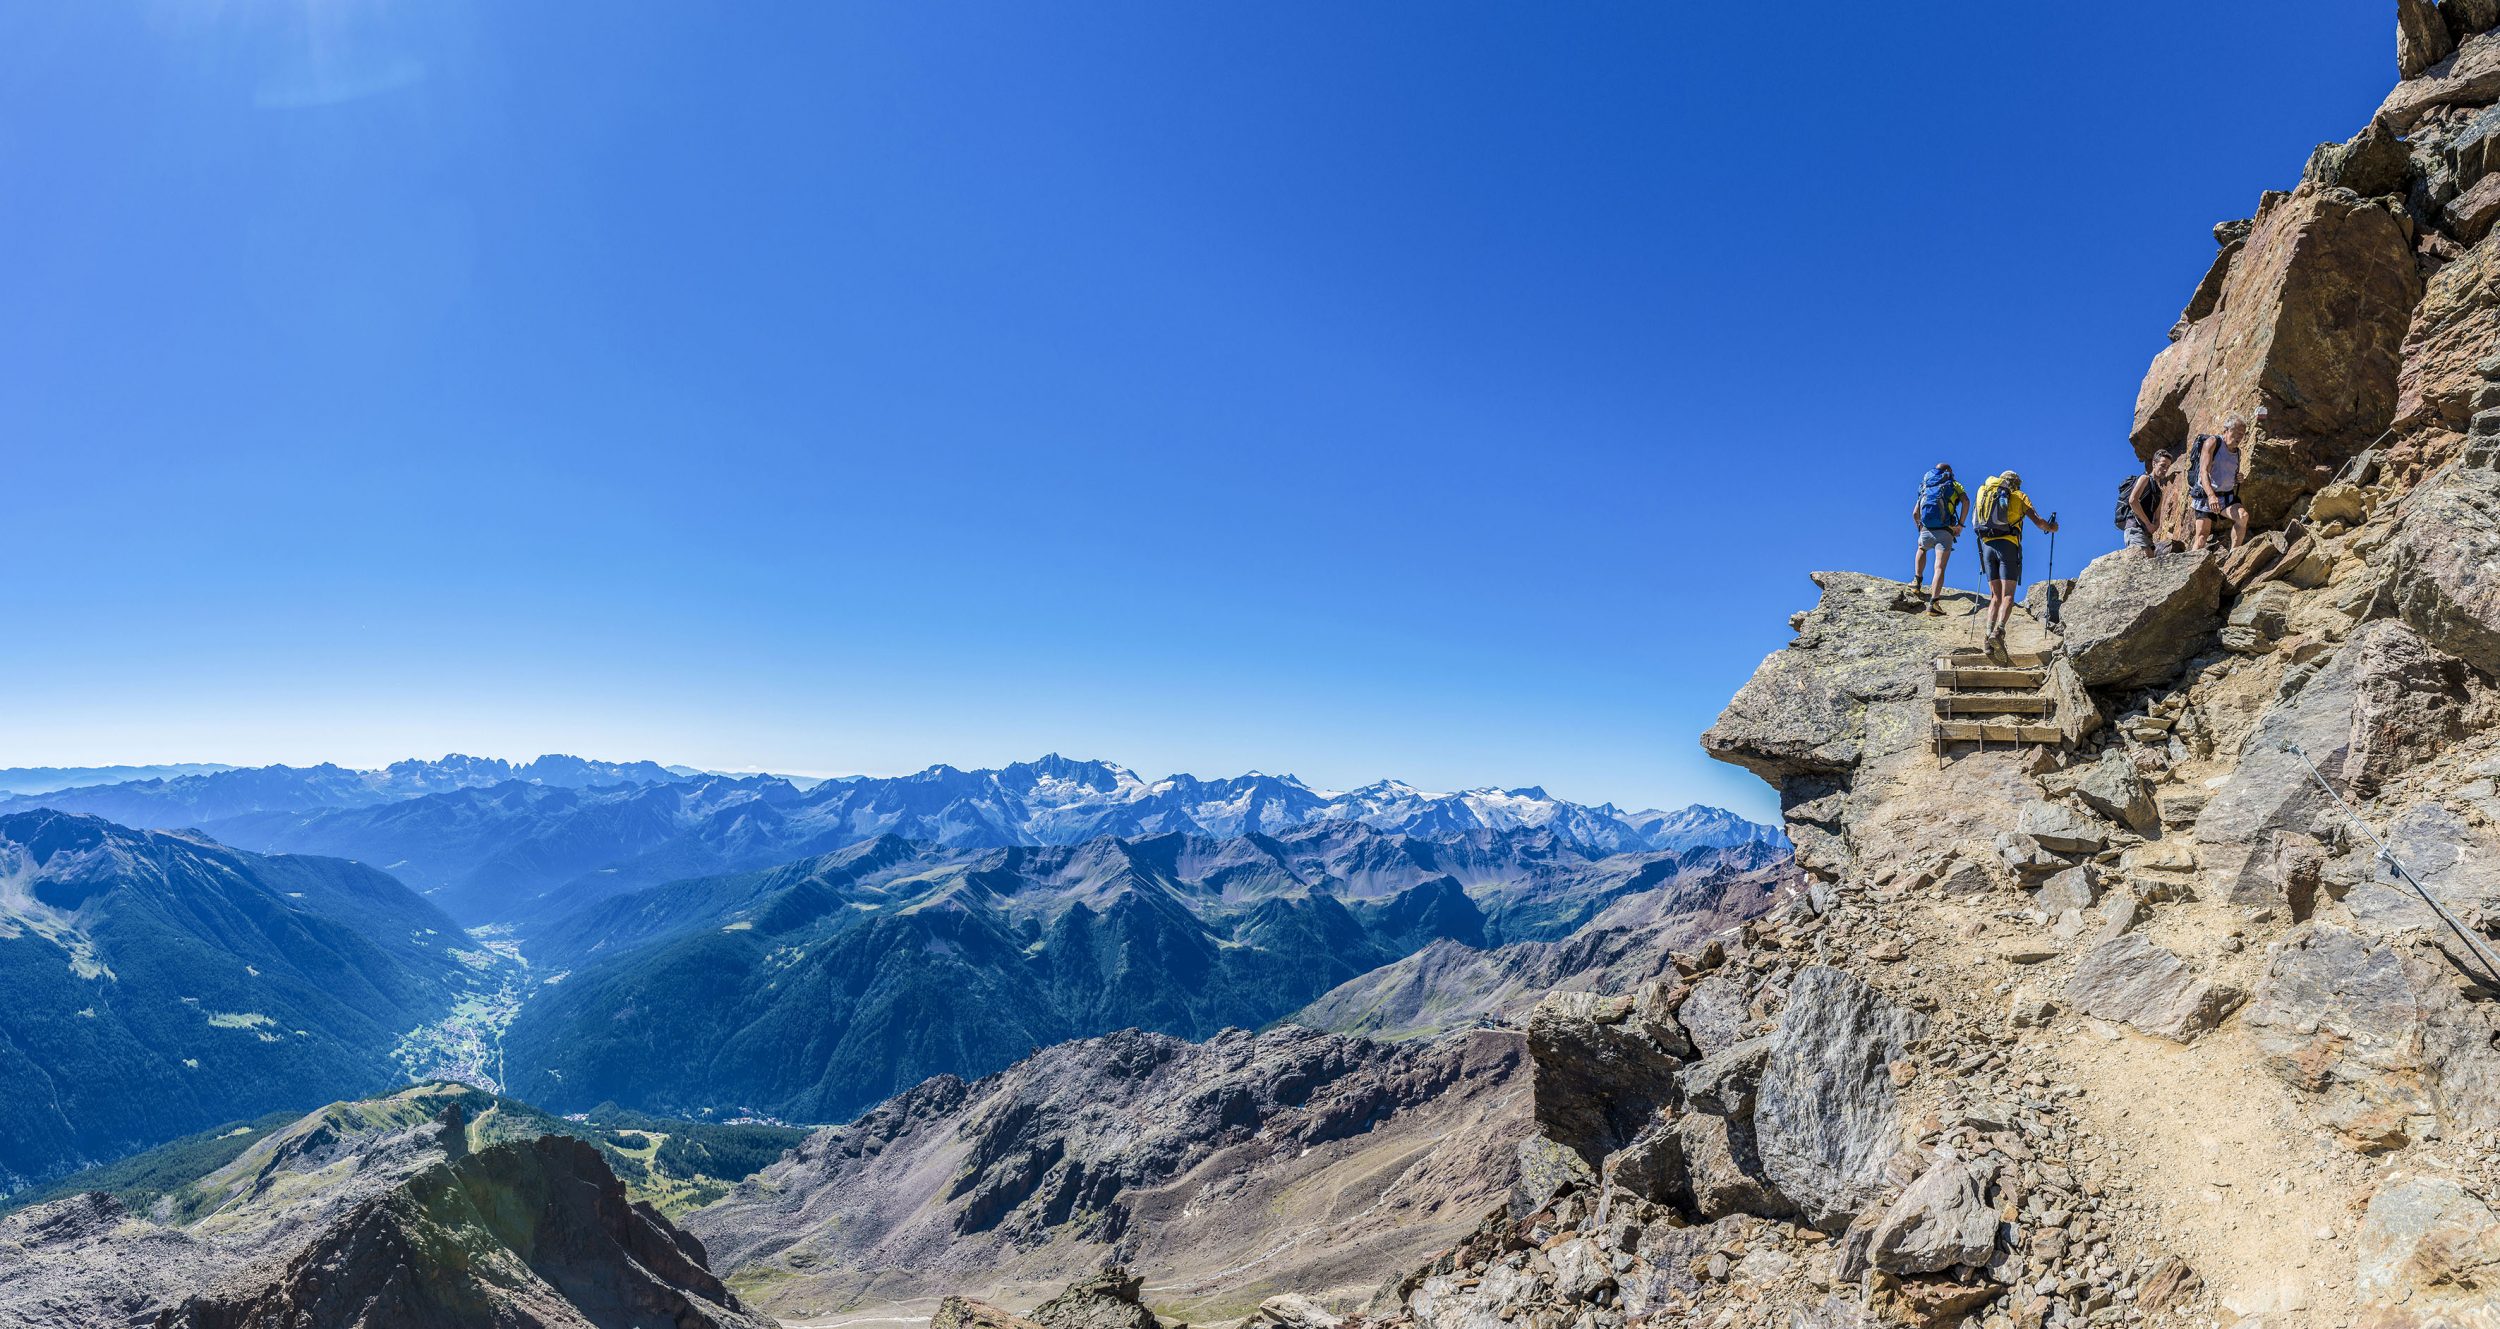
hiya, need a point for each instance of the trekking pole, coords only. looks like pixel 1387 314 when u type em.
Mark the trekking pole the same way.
pixel 2491 964
pixel 2054 624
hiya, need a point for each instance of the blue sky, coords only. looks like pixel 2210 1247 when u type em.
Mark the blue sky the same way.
pixel 1456 391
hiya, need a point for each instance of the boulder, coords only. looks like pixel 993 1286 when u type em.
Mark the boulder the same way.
pixel 1547 1171
pixel 2428 1257
pixel 1105 1300
pixel 1724 1082
pixel 1827 1115
pixel 2456 858
pixel 2135 620
pixel 2072 889
pixel 1602 1066
pixel 1651 1167
pixel 2113 788
pixel 2311 320
pixel 2377 1034
pixel 2370 163
pixel 2060 829
pixel 2131 980
pixel 2471 213
pixel 1723 1168
pixel 2422 37
pixel 1942 1220
pixel 2382 703
pixel 1716 1011
pixel 2445 564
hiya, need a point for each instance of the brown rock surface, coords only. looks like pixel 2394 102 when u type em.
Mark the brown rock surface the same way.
pixel 2308 328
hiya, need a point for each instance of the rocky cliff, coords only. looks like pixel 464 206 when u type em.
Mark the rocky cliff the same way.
pixel 1250 1163
pixel 2137 1024
pixel 380 1213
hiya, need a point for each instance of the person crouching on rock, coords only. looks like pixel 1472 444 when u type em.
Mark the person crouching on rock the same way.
pixel 2214 483
pixel 1999 513
pixel 1941 505
pixel 2139 505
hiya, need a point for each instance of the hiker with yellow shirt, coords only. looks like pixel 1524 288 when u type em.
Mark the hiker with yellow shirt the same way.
pixel 1997 516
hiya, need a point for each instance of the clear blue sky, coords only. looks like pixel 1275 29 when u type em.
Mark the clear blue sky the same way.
pixel 1451 391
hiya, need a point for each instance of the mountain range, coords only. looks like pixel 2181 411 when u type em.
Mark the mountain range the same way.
pixel 494 843
pixel 813 989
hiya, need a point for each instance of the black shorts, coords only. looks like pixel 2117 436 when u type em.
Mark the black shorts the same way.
pixel 2001 560
pixel 2214 504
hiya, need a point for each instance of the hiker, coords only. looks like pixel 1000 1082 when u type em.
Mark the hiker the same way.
pixel 1998 515
pixel 2139 504
pixel 1941 505
pixel 2214 483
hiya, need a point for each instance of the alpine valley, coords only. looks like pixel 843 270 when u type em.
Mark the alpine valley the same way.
pixel 198 963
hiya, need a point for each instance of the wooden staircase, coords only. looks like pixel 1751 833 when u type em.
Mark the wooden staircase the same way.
pixel 2017 698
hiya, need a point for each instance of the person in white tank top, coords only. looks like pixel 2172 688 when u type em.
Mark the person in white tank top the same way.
pixel 2214 483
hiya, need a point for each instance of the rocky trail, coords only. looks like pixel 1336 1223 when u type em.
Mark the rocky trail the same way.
pixel 2097 1009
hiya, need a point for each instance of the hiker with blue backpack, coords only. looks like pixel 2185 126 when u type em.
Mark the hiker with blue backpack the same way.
pixel 1998 516
pixel 1941 506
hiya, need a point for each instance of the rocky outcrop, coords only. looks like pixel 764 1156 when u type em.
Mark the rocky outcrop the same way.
pixel 1106 1300
pixel 520 1234
pixel 350 1218
pixel 2308 330
pixel 1604 1066
pixel 2131 980
pixel 1827 1113
pixel 2381 704
pixel 2133 620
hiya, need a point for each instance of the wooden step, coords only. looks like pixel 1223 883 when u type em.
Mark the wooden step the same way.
pixel 1971 657
pixel 1991 731
pixel 1966 703
pixel 1987 676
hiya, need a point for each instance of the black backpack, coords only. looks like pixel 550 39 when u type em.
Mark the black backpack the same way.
pixel 2126 498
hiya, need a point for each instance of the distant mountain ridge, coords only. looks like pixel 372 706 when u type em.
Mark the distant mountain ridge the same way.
pixel 181 801
pixel 492 842
pixel 16 780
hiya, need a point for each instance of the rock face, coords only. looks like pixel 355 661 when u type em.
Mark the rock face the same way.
pixel 2446 565
pixel 1603 1066
pixel 2132 980
pixel 349 1219
pixel 2134 620
pixel 1827 1115
pixel 2380 705
pixel 1192 1160
pixel 2308 327
pixel 2378 1034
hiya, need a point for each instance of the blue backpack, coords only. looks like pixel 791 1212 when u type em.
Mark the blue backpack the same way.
pixel 1935 499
